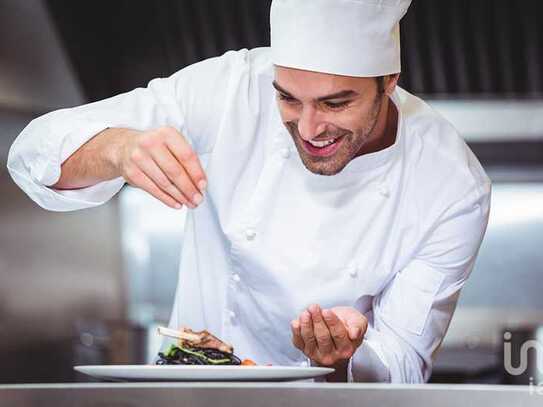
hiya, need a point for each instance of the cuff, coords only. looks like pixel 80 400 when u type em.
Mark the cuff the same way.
pixel 34 167
pixel 368 364
pixel 67 200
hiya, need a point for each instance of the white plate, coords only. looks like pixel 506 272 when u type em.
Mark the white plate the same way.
pixel 202 373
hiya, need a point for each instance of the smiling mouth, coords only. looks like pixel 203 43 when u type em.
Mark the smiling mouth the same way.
pixel 321 144
pixel 322 148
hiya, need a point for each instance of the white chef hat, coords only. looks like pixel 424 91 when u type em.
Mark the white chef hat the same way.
pixel 342 37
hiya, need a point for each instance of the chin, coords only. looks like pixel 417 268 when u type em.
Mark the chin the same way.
pixel 328 166
pixel 323 168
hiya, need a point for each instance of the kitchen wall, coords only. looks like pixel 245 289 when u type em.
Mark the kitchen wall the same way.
pixel 55 268
pixel 35 73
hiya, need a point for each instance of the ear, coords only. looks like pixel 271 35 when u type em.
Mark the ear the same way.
pixel 390 83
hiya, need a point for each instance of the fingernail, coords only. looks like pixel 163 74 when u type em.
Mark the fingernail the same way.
pixel 197 199
pixel 202 185
pixel 178 206
pixel 354 333
pixel 326 313
pixel 305 316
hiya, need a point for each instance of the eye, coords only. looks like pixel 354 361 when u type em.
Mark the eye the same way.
pixel 336 105
pixel 286 98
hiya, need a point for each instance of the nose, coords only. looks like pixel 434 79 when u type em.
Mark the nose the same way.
pixel 309 125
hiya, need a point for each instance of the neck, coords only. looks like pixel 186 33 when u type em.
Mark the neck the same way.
pixel 384 132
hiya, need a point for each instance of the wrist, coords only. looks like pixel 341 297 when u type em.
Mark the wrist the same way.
pixel 118 141
pixel 340 373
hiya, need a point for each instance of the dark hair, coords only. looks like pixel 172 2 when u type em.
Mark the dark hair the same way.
pixel 380 84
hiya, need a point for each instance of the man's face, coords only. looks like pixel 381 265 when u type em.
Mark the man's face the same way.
pixel 330 117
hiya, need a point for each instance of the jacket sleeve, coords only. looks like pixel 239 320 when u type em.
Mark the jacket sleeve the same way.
pixel 191 100
pixel 412 314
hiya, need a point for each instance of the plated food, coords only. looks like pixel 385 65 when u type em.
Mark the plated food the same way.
pixel 198 348
pixel 200 356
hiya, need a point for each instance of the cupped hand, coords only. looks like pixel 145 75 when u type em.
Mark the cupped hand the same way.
pixel 329 337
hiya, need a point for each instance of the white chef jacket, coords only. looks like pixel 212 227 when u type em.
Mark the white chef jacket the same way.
pixel 395 234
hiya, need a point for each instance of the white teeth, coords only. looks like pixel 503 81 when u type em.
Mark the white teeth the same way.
pixel 321 144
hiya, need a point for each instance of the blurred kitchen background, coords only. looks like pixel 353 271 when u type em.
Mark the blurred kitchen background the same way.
pixel 90 286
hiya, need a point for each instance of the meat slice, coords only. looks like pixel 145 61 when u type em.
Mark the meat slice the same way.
pixel 202 339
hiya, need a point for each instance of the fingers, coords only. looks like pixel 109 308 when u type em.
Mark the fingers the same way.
pixel 355 322
pixel 325 336
pixel 137 177
pixel 156 174
pixel 325 343
pixel 184 153
pixel 306 328
pixel 297 339
pixel 338 331
pixel 357 335
pixel 354 333
pixel 329 337
pixel 176 175
pixel 357 325
pixel 167 159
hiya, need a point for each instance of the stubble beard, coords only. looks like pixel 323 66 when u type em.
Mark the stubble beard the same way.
pixel 352 144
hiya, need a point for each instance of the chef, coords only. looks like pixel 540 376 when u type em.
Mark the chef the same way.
pixel 334 217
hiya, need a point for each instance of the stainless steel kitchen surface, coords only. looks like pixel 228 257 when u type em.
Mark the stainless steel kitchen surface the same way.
pixel 268 394
pixel 90 287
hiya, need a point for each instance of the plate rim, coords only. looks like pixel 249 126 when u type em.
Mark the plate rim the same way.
pixel 207 367
pixel 202 373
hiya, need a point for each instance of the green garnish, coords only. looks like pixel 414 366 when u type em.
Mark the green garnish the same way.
pixel 170 352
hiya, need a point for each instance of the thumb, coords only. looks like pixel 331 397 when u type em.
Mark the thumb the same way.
pixel 356 328
pixel 355 322
pixel 354 333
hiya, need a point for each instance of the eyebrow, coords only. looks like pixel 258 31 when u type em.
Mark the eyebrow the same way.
pixel 338 95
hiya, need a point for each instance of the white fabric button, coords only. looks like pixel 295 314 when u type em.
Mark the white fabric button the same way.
pixel 250 233
pixel 353 273
pixel 231 314
pixel 285 152
pixel 383 190
pixel 236 278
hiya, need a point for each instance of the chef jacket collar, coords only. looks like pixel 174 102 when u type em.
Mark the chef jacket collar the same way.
pixel 374 160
